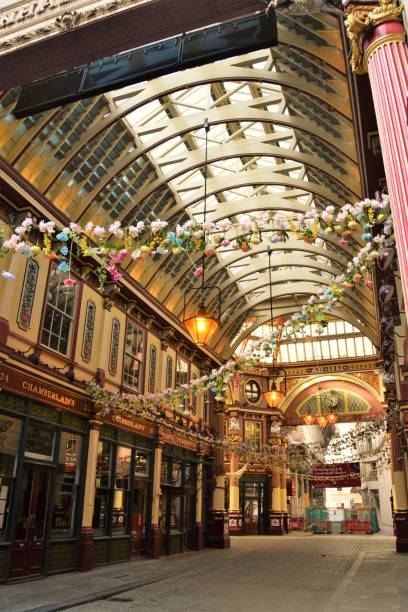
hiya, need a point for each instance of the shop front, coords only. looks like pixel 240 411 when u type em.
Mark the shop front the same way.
pixel 122 507
pixel 42 464
pixel 177 513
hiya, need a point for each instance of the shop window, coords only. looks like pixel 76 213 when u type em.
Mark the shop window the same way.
pixel 141 464
pixel 252 392
pixel 189 475
pixel 28 293
pixel 169 372
pixel 164 471
pixel 40 441
pixel 177 474
pixel 59 313
pixel 88 331
pixel 175 514
pixel 133 361
pixel 114 347
pixel 152 368
pixel 102 484
pixel 253 434
pixel 121 490
pixel 10 432
pixel 67 484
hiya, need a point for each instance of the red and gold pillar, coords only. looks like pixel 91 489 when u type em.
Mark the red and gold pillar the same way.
pixel 234 509
pixel 378 48
pixel 276 519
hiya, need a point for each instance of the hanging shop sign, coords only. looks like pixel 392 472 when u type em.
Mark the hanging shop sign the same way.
pixel 337 475
pixel 177 440
pixel 38 389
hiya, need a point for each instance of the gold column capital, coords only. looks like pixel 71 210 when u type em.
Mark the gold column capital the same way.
pixel 359 19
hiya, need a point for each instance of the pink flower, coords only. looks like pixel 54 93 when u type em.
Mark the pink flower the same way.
pixel 225 242
pixel 68 282
pixel 368 283
pixel 121 255
pixel 343 242
pixel 198 272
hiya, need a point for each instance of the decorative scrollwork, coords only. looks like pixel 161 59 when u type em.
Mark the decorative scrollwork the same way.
pixel 359 19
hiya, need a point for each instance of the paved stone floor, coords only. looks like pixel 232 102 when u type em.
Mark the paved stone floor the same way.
pixel 295 573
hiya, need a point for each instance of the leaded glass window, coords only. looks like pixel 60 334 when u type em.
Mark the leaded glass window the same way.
pixel 253 434
pixel 59 313
pixel 28 294
pixel 152 368
pixel 114 347
pixel 88 331
pixel 133 360
pixel 169 372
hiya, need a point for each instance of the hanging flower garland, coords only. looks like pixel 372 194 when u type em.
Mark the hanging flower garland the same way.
pixel 113 244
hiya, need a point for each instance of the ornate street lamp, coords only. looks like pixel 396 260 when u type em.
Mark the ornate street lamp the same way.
pixel 202 326
pixel 309 419
pixel 273 396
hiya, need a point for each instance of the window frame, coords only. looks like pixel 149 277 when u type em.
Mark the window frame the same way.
pixel 142 371
pixel 73 334
pixel 253 380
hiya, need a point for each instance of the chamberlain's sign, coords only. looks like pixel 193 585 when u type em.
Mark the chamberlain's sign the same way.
pixel 337 475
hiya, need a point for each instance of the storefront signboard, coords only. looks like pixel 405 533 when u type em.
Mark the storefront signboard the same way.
pixel 177 440
pixel 41 390
pixel 132 424
pixel 337 475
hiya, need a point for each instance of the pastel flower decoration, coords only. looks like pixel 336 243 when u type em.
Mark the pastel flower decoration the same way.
pixel 69 282
pixel 64 250
pixel 8 275
pixel 21 247
pixel 12 242
pixel 35 250
pixel 75 228
pixel 116 230
pixel 62 236
pixel 99 231
pixel 368 283
pixel 46 227
pixel 366 236
pixel 63 266
pixel 89 226
pixel 343 242
pixel 198 272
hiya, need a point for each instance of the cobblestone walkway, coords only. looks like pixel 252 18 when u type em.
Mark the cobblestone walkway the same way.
pixel 295 573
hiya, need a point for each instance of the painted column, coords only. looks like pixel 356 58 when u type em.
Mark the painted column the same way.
pixel 218 531
pixel 86 536
pixel 284 500
pixel 154 539
pixel 234 509
pixel 378 47
pixel 399 489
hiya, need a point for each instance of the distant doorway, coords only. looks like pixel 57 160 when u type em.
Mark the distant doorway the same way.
pixel 252 504
pixel 31 524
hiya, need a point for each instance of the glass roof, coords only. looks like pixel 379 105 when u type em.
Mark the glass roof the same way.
pixel 281 139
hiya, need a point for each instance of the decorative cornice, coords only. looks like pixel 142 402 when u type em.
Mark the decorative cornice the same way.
pixel 362 17
pixel 31 21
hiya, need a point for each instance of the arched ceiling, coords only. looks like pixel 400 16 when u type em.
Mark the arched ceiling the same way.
pixel 281 138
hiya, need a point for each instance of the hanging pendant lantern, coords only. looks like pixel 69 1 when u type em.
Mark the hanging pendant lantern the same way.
pixel 322 420
pixel 331 418
pixel 309 419
pixel 273 397
pixel 202 326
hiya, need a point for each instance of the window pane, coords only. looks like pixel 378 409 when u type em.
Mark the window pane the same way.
pixel 252 392
pixel 175 514
pixel 253 434
pixel 10 432
pixel 342 347
pixel 359 346
pixel 67 485
pixel 133 356
pixel 141 464
pixel 103 464
pixel 40 441
pixel 121 492
pixel 300 351
pixel 177 471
